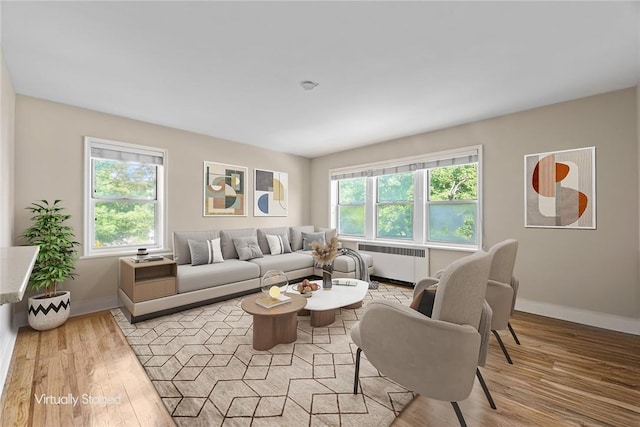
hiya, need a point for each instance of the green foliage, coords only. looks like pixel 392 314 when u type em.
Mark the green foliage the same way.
pixel 395 221
pixel 57 256
pixel 351 195
pixel 454 183
pixel 395 216
pixel 351 190
pixel 129 222
pixel 351 220
pixel 454 223
pixel 395 188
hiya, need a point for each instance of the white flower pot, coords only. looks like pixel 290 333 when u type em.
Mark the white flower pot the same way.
pixel 48 313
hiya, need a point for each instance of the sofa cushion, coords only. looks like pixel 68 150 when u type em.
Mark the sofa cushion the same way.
pixel 309 238
pixel 226 240
pixel 296 236
pixel 347 264
pixel 278 244
pixel 247 248
pixel 206 276
pixel 275 231
pixel 181 252
pixel 205 252
pixel 285 262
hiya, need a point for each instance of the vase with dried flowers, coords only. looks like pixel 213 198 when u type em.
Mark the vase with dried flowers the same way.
pixel 324 254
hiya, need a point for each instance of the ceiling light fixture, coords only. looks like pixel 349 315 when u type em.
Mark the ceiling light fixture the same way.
pixel 308 85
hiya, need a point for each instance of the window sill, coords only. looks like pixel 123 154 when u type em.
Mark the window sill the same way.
pixel 411 244
pixel 163 252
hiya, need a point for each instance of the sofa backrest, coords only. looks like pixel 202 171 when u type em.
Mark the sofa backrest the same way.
pixel 226 240
pixel 181 252
pixel 295 238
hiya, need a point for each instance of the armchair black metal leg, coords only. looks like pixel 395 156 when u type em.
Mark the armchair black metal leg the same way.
pixel 485 389
pixel 355 379
pixel 513 334
pixel 504 349
pixel 459 414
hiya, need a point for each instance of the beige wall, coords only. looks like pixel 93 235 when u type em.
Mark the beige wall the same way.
pixel 588 275
pixel 49 164
pixel 7 113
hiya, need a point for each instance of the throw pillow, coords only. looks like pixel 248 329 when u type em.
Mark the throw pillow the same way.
pixel 309 238
pixel 247 248
pixel 278 244
pixel 205 252
pixel 423 301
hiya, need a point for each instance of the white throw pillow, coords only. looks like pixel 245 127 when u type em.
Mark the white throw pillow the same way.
pixel 278 244
pixel 216 250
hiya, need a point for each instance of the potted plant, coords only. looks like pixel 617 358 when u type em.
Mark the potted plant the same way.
pixel 54 264
pixel 324 255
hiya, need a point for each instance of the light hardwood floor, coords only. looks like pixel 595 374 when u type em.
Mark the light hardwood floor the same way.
pixel 563 374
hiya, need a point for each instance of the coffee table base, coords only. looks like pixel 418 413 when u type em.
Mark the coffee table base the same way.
pixel 269 331
pixel 327 317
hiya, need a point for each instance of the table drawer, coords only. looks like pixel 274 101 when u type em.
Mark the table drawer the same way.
pixel 156 288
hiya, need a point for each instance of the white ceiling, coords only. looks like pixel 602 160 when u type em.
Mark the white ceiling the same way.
pixel 385 69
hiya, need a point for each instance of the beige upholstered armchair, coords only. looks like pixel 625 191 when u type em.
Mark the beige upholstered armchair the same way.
pixel 437 356
pixel 502 289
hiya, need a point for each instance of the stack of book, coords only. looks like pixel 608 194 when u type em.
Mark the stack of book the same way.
pixel 147 258
pixel 268 302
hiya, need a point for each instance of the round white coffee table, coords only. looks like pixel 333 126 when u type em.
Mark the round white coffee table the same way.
pixel 345 293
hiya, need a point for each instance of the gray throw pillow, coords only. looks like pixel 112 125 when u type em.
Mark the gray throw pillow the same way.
pixel 247 248
pixel 205 252
pixel 309 238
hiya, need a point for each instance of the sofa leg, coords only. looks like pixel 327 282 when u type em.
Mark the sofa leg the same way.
pixel 355 379
pixel 513 333
pixel 485 389
pixel 459 414
pixel 504 349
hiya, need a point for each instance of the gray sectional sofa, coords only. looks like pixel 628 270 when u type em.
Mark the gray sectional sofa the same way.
pixel 207 272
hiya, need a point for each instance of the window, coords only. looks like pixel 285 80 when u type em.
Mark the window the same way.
pixel 394 209
pixel 452 204
pixel 124 206
pixel 433 199
pixel 351 204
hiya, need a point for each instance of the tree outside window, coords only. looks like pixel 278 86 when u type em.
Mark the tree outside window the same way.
pixel 351 204
pixel 452 203
pixel 125 203
pixel 394 217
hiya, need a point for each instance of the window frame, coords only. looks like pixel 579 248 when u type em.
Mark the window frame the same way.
pixel 420 197
pixel 160 226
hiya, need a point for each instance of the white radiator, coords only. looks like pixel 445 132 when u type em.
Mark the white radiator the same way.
pixel 407 264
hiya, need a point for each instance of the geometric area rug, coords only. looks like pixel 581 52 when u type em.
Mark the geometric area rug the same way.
pixel 203 365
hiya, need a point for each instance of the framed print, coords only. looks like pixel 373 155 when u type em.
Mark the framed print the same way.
pixel 560 189
pixel 225 190
pixel 271 193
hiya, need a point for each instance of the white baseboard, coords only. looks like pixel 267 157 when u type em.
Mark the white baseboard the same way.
pixel 612 322
pixel 77 308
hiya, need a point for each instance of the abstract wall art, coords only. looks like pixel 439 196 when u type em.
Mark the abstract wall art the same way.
pixel 271 193
pixel 560 189
pixel 225 190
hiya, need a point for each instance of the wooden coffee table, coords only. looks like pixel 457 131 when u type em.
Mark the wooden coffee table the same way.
pixel 323 303
pixel 273 326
